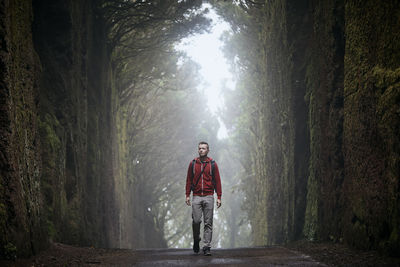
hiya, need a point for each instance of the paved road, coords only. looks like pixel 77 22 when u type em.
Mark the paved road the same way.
pixel 65 255
pixel 269 256
pixel 333 253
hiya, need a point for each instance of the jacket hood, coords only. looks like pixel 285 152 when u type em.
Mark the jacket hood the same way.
pixel 207 160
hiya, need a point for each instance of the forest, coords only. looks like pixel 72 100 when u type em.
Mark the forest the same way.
pixel 101 114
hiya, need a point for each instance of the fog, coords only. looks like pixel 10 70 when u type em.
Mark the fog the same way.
pixel 105 101
pixel 174 99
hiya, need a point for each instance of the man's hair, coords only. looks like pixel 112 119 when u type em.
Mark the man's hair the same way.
pixel 204 143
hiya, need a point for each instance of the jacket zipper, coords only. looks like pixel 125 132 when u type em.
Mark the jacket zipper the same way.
pixel 202 175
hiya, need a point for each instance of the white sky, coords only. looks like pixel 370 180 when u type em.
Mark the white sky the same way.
pixel 205 49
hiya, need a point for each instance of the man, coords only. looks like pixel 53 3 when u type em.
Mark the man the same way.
pixel 203 180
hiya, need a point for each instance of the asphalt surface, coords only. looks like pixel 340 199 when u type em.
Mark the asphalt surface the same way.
pixel 65 255
pixel 266 256
pixel 298 253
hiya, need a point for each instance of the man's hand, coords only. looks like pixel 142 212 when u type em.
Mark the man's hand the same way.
pixel 187 201
pixel 219 203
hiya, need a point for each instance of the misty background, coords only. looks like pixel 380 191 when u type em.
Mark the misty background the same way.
pixel 103 103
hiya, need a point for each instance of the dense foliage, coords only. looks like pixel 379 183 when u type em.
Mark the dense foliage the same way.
pixel 160 116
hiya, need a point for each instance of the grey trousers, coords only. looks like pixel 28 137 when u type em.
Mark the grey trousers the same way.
pixel 203 206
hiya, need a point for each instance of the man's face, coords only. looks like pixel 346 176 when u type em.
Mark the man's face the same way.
pixel 203 150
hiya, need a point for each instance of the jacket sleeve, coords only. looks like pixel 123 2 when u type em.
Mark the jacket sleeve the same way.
pixel 189 179
pixel 218 182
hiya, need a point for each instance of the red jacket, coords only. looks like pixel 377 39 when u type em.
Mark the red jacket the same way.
pixel 205 185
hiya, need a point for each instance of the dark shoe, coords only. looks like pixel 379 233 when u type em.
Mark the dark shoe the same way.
pixel 196 246
pixel 207 251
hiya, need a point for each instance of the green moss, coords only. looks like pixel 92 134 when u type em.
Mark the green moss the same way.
pixel 51 230
pixel 385 78
pixel 372 124
pixel 48 127
pixel 3 222
pixel 359 235
pixel 312 205
pixel 392 247
pixel 10 251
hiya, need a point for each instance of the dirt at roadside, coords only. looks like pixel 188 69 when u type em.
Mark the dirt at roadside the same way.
pixel 65 255
pixel 336 254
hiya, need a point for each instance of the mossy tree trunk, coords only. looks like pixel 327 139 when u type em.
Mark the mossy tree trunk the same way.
pixel 76 122
pixel 325 153
pixel 21 211
pixel 371 125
